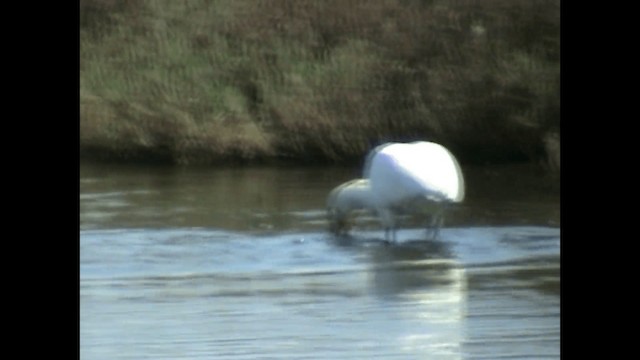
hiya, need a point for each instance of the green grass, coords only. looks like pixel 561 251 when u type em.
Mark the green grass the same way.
pixel 193 81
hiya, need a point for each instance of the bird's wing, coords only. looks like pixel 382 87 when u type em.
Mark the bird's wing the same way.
pixel 367 163
pixel 423 168
pixel 461 185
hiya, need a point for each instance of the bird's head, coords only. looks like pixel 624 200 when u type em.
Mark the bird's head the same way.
pixel 338 222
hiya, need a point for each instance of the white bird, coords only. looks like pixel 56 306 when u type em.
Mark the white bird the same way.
pixel 398 176
pixel 345 198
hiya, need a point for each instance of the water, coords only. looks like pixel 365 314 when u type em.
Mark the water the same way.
pixel 237 264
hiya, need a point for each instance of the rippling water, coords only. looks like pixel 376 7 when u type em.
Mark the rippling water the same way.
pixel 236 263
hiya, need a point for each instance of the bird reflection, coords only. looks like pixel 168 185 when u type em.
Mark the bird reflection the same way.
pixel 421 286
pixel 395 268
pixel 414 265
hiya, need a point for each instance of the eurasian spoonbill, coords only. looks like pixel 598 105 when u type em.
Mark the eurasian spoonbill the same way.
pixel 399 176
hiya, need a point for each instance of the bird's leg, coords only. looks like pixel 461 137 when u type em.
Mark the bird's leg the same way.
pixel 390 235
pixel 438 221
pixel 387 220
pixel 431 226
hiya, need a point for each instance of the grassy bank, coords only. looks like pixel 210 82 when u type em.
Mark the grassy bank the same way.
pixel 253 80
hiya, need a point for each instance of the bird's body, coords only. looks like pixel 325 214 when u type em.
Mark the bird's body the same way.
pixel 421 175
pixel 399 170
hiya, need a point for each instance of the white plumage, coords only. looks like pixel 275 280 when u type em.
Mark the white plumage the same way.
pixel 345 198
pixel 420 175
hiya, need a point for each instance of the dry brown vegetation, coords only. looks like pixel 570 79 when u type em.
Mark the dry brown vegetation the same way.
pixel 199 81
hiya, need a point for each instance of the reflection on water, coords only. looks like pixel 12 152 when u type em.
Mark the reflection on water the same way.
pixel 305 298
pixel 258 199
pixel 186 264
pixel 282 199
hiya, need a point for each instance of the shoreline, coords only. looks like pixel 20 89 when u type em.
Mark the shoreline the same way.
pixel 246 82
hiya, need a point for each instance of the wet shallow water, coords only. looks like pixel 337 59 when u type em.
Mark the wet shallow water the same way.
pixel 237 263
